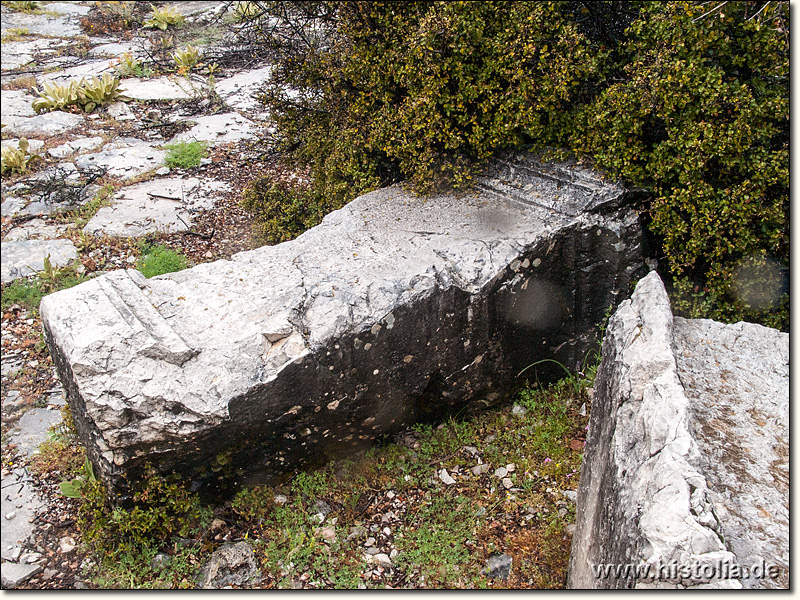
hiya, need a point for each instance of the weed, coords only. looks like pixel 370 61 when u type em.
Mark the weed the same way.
pixel 129 66
pixel 164 17
pixel 187 59
pixel 158 260
pixel 185 155
pixel 54 96
pixel 14 34
pixel 24 7
pixel 86 95
pixel 245 11
pixel 16 159
pixel 58 454
pixel 24 292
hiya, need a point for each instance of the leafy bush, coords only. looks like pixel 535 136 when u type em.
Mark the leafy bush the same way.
pixel 701 119
pixel 689 102
pixel 283 210
pixel 158 260
pixel 185 155
pixel 160 510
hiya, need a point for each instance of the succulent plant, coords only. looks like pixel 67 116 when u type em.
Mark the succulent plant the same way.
pixel 16 159
pixel 57 97
pixel 100 91
pixel 164 17
pixel 187 58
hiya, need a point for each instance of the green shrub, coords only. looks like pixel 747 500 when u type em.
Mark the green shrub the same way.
pixel 284 211
pixel 701 119
pixel 164 17
pixel 157 260
pixel 689 106
pixel 185 155
pixel 160 509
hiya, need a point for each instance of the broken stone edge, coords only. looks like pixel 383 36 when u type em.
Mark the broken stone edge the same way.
pixel 642 499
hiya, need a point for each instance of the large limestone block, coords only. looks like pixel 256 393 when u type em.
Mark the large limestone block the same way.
pixel 394 309
pixel 682 451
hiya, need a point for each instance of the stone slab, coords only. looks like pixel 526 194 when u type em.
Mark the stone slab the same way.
pixel 85 69
pixel 43 125
pixel 238 91
pixel 23 258
pixel 36 229
pixel 16 103
pixel 162 88
pixel 394 309
pixel 219 129
pixel 159 205
pixel 125 159
pixel 33 428
pixel 74 146
pixel 661 471
pixel 34 146
pixel 737 380
pixel 15 574
pixel 57 26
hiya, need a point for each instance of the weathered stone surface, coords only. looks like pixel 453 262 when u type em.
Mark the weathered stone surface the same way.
pixel 20 501
pixel 33 429
pixel 737 380
pixel 230 564
pixel 395 309
pixel 72 147
pixel 58 26
pixel 647 493
pixel 23 258
pixel 219 129
pixel 47 124
pixel 16 103
pixel 14 574
pixel 239 91
pixel 125 158
pixel 165 205
pixel 85 69
pixel 163 88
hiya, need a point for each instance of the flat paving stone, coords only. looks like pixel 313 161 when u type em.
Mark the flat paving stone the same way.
pixel 163 205
pixel 83 70
pixel 15 574
pixel 23 258
pixel 219 129
pixel 126 159
pixel 75 146
pixel 32 429
pixel 16 103
pixel 44 125
pixel 116 49
pixel 237 91
pixel 36 229
pixel 163 88
pixel 60 26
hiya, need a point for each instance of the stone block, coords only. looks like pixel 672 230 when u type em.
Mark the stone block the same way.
pixel 395 309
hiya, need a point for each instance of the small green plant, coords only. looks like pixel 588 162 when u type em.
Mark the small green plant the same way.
pixel 86 95
pixel 164 17
pixel 16 159
pixel 25 292
pixel 185 155
pixel 14 34
pixel 158 260
pixel 245 11
pixel 99 92
pixel 160 509
pixel 187 59
pixel 128 65
pixel 74 487
pixel 23 6
pixel 56 96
